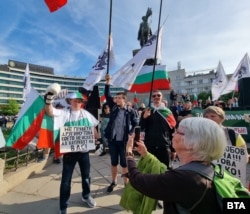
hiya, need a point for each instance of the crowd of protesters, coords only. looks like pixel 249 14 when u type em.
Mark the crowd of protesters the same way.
pixel 161 123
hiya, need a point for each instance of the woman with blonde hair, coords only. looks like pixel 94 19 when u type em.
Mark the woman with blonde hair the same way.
pixel 217 114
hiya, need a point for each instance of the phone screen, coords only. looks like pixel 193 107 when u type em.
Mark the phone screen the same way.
pixel 137 134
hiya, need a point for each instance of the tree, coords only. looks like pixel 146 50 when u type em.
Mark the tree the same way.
pixel 228 96
pixel 12 108
pixel 204 96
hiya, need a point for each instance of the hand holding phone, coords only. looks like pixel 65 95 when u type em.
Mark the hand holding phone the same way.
pixel 137 135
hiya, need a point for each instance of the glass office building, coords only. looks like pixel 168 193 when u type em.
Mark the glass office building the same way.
pixel 12 83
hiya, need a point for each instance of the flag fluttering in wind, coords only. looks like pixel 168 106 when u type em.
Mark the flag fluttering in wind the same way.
pixel 168 116
pixel 28 122
pixel 2 139
pixel 135 98
pixel 102 97
pixel 142 83
pixel 126 76
pixel 242 71
pixel 219 82
pixel 54 5
pixel 26 80
pixel 100 68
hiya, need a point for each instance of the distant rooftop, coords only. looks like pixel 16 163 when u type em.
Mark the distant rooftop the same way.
pixel 32 67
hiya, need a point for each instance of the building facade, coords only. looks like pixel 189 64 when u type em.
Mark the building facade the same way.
pixel 12 83
pixel 191 83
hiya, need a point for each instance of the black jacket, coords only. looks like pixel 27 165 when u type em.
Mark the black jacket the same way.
pixel 130 117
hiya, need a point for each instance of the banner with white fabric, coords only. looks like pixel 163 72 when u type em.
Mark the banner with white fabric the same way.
pixel 126 76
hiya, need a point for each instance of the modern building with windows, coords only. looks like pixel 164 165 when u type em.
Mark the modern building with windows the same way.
pixel 191 83
pixel 12 83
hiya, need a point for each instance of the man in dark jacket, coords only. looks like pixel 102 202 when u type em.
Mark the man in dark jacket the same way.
pixel 158 123
pixel 121 123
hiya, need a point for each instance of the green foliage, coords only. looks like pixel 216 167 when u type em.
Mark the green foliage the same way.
pixel 204 96
pixel 12 108
pixel 6 132
pixel 228 96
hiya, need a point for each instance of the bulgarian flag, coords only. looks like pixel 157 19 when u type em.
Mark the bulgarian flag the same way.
pixel 46 139
pixel 135 98
pixel 142 83
pixel 29 121
pixel 168 116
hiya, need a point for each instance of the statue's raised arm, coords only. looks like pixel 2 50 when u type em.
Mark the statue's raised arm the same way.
pixel 144 30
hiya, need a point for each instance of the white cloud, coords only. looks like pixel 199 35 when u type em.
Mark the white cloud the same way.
pixel 197 33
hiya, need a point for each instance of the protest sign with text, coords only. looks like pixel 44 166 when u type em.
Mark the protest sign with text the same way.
pixel 234 161
pixel 76 139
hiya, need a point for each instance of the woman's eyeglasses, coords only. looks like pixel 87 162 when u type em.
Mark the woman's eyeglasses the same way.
pixel 156 95
pixel 178 132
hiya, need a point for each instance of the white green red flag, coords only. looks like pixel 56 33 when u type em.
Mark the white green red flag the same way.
pixel 143 81
pixel 27 84
pixel 126 75
pixel 46 139
pixel 28 122
pixel 168 116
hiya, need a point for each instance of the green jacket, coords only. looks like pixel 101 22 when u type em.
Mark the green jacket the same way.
pixel 133 200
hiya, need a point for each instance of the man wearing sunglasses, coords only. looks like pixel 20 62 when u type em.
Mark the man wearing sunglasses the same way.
pixel 158 123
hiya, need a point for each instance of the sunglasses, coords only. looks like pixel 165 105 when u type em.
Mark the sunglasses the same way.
pixel 156 95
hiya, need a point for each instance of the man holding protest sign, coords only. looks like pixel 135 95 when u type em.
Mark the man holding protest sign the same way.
pixel 77 137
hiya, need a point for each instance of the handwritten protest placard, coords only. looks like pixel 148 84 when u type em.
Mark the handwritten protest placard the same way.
pixel 234 161
pixel 76 139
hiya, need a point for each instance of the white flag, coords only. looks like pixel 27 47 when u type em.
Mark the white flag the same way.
pixel 100 68
pixel 2 139
pixel 26 80
pixel 241 71
pixel 125 76
pixel 219 82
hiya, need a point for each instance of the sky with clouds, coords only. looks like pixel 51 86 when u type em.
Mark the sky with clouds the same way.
pixel 198 33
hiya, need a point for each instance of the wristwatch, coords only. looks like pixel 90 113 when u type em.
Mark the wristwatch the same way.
pixel 129 154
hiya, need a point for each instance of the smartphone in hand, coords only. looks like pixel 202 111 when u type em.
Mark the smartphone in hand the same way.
pixel 137 135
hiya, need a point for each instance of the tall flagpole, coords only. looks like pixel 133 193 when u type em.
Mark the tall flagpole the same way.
pixel 109 37
pixel 156 49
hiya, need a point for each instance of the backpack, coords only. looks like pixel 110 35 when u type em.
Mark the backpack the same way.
pixel 226 185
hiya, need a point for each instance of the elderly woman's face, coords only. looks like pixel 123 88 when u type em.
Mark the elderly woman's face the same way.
pixel 177 140
pixel 215 117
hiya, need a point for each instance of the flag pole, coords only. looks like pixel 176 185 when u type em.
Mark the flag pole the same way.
pixel 109 37
pixel 157 39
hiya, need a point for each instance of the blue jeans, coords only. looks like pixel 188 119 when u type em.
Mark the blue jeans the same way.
pixel 69 162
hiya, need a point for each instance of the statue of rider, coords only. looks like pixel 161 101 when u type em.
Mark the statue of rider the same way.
pixel 145 32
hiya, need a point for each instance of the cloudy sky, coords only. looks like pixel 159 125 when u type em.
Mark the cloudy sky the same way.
pixel 198 33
